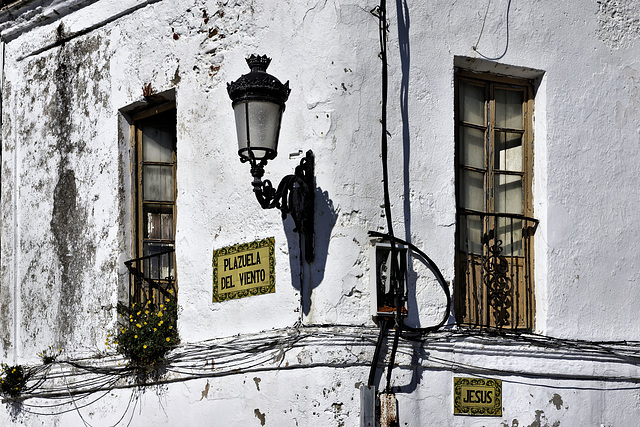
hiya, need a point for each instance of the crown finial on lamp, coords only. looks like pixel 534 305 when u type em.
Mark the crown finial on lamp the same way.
pixel 258 63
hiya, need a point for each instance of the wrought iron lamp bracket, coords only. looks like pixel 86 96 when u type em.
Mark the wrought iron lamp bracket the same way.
pixel 295 196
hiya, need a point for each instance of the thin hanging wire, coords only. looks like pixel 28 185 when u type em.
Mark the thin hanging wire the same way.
pixel 475 46
pixel 506 47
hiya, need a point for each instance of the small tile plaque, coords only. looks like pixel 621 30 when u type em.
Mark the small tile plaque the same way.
pixel 477 396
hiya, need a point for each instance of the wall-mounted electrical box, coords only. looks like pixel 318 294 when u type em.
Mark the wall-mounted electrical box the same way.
pixel 383 299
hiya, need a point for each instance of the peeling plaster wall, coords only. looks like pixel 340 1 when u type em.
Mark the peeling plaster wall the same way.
pixel 63 226
pixel 72 68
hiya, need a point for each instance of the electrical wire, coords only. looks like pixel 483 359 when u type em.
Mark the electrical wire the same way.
pixel 392 358
pixel 486 12
pixel 376 353
pixel 506 47
pixel 74 404
pixel 380 12
pixel 267 352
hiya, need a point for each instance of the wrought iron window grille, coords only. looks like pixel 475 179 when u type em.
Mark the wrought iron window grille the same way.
pixel 495 270
pixel 152 278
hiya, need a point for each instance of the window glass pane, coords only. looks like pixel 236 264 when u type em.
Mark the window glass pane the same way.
pixel 472 147
pixel 471 234
pixel 508 151
pixel 157 144
pixel 472 103
pixel 157 183
pixel 472 190
pixel 509 108
pixel 508 194
pixel 509 232
pixel 159 267
pixel 158 222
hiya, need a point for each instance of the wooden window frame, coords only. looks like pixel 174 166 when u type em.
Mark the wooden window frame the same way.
pixel 522 314
pixel 138 221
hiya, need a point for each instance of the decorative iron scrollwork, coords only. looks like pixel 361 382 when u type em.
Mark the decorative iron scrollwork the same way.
pixel 498 283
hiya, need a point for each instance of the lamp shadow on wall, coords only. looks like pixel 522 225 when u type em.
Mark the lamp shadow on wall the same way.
pixel 306 277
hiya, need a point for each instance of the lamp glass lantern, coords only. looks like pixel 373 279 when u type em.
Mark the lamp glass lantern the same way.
pixel 258 101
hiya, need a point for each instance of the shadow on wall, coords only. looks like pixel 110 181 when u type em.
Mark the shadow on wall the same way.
pixel 306 277
pixel 405 62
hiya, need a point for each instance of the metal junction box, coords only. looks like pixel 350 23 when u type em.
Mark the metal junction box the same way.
pixel 383 301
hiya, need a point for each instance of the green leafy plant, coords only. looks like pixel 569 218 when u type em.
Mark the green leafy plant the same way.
pixel 146 332
pixel 13 380
pixel 49 355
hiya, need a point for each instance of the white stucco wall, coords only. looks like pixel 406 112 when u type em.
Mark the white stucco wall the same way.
pixel 71 75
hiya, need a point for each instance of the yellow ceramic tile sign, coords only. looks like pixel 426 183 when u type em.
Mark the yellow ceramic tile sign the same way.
pixel 477 396
pixel 244 270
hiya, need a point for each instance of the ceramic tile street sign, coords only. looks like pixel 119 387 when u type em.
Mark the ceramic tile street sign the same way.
pixel 244 270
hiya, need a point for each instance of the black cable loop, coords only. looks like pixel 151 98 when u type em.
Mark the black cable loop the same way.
pixel 435 270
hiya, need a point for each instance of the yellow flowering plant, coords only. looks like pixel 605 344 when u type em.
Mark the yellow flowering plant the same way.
pixel 141 336
pixel 49 355
pixel 13 380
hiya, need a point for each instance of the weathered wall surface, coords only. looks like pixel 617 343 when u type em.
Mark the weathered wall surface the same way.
pixel 70 75
pixel 66 209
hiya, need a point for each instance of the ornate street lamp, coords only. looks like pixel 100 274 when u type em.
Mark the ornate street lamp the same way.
pixel 258 100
